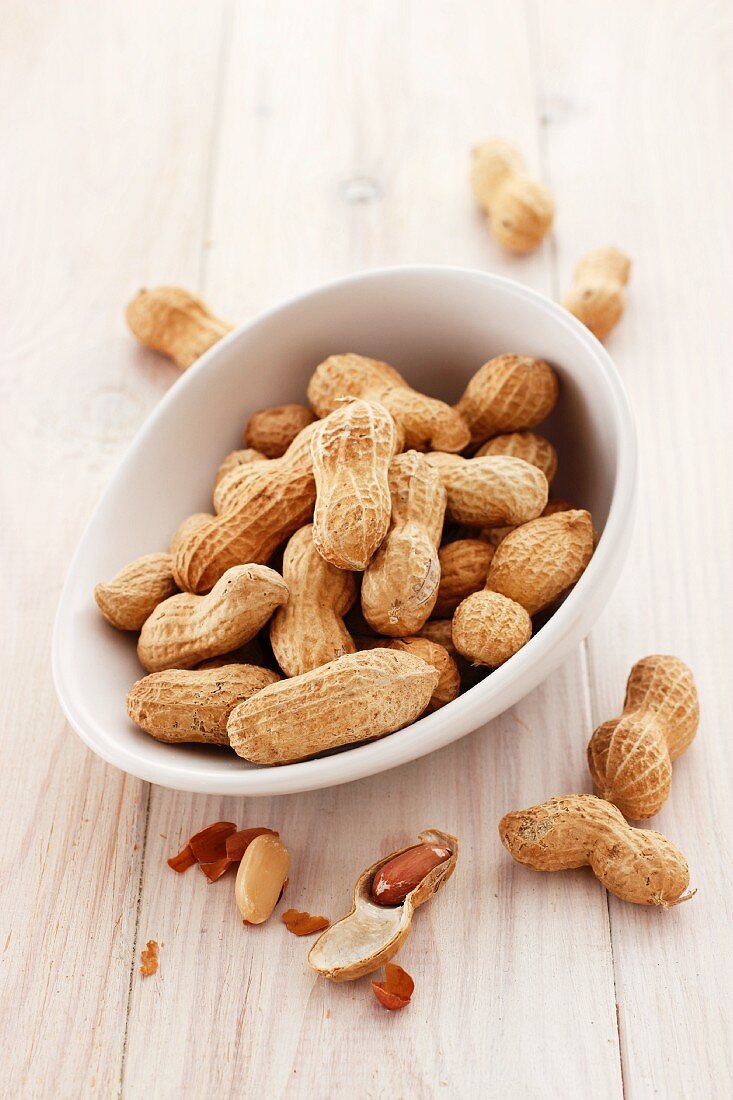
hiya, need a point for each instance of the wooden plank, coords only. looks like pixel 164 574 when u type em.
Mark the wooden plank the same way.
pixel 104 111
pixel 641 154
pixel 344 143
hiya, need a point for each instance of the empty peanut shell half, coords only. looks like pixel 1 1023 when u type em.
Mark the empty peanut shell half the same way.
pixel 371 934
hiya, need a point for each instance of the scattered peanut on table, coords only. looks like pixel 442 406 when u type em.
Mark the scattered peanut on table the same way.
pixel 598 295
pixel 630 758
pixel 262 874
pixel 519 209
pixel 581 830
pixel 176 323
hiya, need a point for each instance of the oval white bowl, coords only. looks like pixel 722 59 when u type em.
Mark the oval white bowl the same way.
pixel 435 324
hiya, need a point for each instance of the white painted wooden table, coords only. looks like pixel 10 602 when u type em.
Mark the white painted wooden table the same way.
pixel 250 150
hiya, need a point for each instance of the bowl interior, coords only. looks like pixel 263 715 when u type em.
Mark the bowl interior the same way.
pixel 437 326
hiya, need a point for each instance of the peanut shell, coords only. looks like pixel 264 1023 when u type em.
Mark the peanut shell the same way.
pixel 187 629
pixel 449 684
pixel 464 566
pixel 308 631
pixel 400 585
pixel 519 209
pixel 175 323
pixel 495 535
pixel 630 758
pixel 351 451
pixel 235 459
pixel 488 628
pixel 272 430
pixel 186 529
pixel 508 394
pixel 580 830
pixel 542 559
pixel 177 705
pixel 533 448
pixel 273 500
pixel 370 935
pixel 491 491
pixel 598 294
pixel 427 424
pixel 358 697
pixel 130 597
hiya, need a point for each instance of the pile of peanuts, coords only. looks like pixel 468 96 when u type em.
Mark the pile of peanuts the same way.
pixel 417 543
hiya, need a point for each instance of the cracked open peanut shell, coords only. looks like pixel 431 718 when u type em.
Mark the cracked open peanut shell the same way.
pixel 370 935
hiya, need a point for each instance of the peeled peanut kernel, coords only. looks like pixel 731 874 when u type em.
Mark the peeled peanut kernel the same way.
pixel 261 877
pixel 399 877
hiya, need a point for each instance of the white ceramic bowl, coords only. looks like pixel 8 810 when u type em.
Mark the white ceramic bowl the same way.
pixel 435 324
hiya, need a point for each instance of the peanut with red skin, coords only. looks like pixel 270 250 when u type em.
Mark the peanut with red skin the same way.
pixel 399 876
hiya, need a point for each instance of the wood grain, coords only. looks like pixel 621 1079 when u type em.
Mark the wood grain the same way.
pixel 102 114
pixel 662 180
pixel 249 151
pixel 392 129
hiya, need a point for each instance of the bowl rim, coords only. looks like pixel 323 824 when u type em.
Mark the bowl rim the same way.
pixel 506 685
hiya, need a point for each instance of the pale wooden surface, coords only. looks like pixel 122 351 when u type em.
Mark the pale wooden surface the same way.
pixel 250 150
